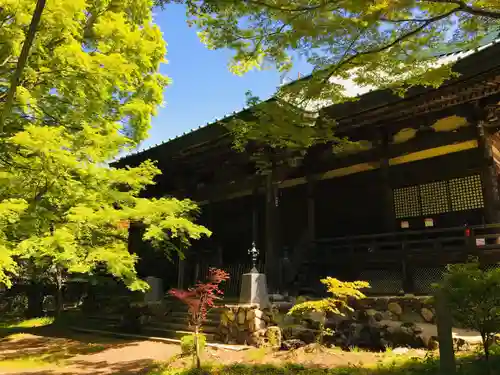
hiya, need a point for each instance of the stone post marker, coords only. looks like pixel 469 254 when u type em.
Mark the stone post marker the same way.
pixel 445 335
pixel 155 292
pixel 253 284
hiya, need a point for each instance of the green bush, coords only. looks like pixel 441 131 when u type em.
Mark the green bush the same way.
pixel 336 304
pixel 188 345
pixel 473 297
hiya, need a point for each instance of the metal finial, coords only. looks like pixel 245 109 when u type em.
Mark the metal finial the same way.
pixel 254 253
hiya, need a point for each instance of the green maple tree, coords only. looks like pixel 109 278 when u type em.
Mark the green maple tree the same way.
pixel 68 210
pixel 91 62
pixel 88 90
pixel 374 43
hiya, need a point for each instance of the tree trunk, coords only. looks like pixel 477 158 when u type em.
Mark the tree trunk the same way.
pixel 59 297
pixel 197 347
pixel 21 63
pixel 34 294
pixel 445 335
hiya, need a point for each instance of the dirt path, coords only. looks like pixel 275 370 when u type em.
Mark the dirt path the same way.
pixel 87 354
pixel 42 355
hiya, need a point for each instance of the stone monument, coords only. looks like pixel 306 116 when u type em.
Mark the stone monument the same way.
pixel 155 291
pixel 254 285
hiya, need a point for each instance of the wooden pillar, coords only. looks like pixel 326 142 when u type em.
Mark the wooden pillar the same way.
pixel 311 209
pixel 271 252
pixel 387 194
pixel 180 274
pixel 488 172
pixel 255 216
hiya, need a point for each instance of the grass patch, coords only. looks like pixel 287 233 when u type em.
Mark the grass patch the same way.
pixel 468 365
pixel 30 323
pixel 257 354
pixel 24 363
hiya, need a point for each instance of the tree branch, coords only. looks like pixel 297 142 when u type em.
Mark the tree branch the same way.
pixel 23 58
pixel 462 6
pixel 390 45
pixel 283 9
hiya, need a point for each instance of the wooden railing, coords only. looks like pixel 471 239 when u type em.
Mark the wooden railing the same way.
pixel 443 245
pixel 405 255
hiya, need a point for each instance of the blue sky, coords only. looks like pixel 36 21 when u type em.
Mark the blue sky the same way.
pixel 203 89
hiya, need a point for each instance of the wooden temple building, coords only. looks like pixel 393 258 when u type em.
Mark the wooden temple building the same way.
pixel 422 193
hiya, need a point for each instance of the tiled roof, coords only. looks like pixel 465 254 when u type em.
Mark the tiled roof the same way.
pixel 351 89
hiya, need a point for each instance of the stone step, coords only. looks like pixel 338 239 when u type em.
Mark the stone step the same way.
pixel 175 331
pixel 173 334
pixel 184 315
pixel 179 327
pixel 184 320
pixel 105 318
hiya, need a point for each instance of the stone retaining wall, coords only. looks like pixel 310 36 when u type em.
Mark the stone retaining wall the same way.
pixel 248 325
pixel 409 309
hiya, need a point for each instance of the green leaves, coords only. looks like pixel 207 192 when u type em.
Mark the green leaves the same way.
pixel 341 292
pixel 90 59
pixel 375 44
pixel 69 208
pixel 89 89
pixel 473 296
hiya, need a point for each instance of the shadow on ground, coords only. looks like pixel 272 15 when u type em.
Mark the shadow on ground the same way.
pixel 139 367
pixel 53 349
pixel 52 343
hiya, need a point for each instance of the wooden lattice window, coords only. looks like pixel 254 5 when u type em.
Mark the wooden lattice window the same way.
pixel 458 194
pixel 466 193
pixel 434 198
pixel 406 202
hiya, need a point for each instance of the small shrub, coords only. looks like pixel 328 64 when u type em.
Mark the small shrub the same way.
pixel 199 300
pixel 188 345
pixel 340 292
pixel 274 337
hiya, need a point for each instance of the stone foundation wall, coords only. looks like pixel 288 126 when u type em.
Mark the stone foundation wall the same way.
pixel 409 309
pixel 248 325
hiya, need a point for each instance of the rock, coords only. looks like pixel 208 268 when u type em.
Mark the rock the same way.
pixel 376 315
pixel 461 345
pixel 257 339
pixel 303 334
pixel 400 350
pixel 241 316
pixel 242 338
pixel 250 314
pixel 427 314
pixel 381 304
pixel 407 334
pixel 257 324
pixel 371 312
pixel 411 328
pixel 432 343
pixel 387 315
pixel 230 315
pixel 274 337
pixel 292 344
pixel 412 317
pixel 224 321
pixel 395 308
pixel 276 297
